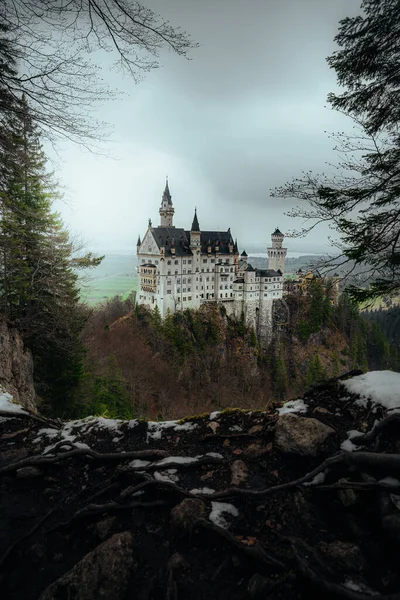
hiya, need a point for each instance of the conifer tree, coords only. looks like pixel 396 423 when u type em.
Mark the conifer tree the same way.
pixel 39 290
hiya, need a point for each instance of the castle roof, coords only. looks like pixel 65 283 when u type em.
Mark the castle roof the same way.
pixel 268 273
pixel 174 237
pixel 166 195
pixel 244 253
pixel 195 224
pixel 239 280
pixel 250 268
pixel 138 241
pixel 278 232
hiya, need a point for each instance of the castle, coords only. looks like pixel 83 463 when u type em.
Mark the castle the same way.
pixel 181 269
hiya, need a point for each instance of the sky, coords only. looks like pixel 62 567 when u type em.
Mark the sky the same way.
pixel 247 113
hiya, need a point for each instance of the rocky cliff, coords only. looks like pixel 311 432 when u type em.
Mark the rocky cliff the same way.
pixel 297 502
pixel 16 367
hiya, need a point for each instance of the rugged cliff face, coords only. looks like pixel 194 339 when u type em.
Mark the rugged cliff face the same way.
pixel 294 503
pixel 16 367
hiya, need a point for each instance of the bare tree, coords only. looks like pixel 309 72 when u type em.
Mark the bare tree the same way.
pixel 58 47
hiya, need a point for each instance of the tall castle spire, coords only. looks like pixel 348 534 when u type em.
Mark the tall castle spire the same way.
pixel 195 224
pixel 166 208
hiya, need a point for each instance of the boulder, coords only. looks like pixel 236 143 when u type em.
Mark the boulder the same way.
pixel 185 514
pixel 301 435
pixel 104 573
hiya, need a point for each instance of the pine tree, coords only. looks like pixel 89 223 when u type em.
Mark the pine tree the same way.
pixel 39 290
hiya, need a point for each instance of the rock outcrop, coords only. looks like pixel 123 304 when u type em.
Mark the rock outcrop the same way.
pixel 16 367
pixel 301 435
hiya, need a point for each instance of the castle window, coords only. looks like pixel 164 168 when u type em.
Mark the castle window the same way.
pixel 169 273
pixel 184 261
pixel 204 260
pixel 176 272
pixel 208 279
pixel 176 262
pixel 184 280
pixel 189 298
pixel 189 262
pixel 213 260
pixel 169 292
pixel 184 298
pixel 156 262
pixel 184 271
pixel 168 262
pixel 178 290
pixel 169 282
pixel 184 290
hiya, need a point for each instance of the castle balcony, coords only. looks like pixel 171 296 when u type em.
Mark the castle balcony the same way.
pixel 146 287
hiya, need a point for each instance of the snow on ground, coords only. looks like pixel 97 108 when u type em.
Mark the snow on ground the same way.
pixel 214 414
pixel 293 406
pixel 381 387
pixel 318 479
pixel 204 490
pixel 348 445
pixel 168 475
pixel 8 405
pixel 155 429
pixel 220 508
pixel 186 426
pixel 139 464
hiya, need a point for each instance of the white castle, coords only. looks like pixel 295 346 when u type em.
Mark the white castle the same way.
pixel 181 269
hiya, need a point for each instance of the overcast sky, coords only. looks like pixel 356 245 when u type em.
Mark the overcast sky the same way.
pixel 246 114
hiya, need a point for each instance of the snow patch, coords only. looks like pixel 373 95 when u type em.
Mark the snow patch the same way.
pixel 348 446
pixel 155 429
pixel 138 464
pixel 188 426
pixel 318 479
pixel 390 481
pixel 293 406
pixel 220 508
pixel 7 404
pixel 380 387
pixel 168 475
pixel 235 428
pixel 204 490
pixel 214 414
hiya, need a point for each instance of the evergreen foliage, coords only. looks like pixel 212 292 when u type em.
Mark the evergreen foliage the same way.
pixel 39 290
pixel 362 200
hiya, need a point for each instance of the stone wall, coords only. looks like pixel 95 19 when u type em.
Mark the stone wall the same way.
pixel 16 367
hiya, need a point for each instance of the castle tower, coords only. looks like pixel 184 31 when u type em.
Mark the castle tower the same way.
pixel 277 254
pixel 195 232
pixel 138 244
pixel 166 208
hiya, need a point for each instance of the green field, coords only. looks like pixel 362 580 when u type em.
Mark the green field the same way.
pixel 116 276
pixel 102 289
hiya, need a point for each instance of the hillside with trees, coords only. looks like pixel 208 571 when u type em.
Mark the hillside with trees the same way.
pixel 137 364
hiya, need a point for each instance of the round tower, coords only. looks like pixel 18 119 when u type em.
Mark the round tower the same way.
pixel 277 254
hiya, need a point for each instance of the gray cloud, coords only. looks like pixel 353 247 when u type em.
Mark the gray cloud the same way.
pixel 243 116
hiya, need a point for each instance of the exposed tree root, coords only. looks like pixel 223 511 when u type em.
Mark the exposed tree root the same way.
pixel 255 552
pixel 366 438
pixel 302 554
pixel 48 460
pixel 29 415
pixel 99 509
